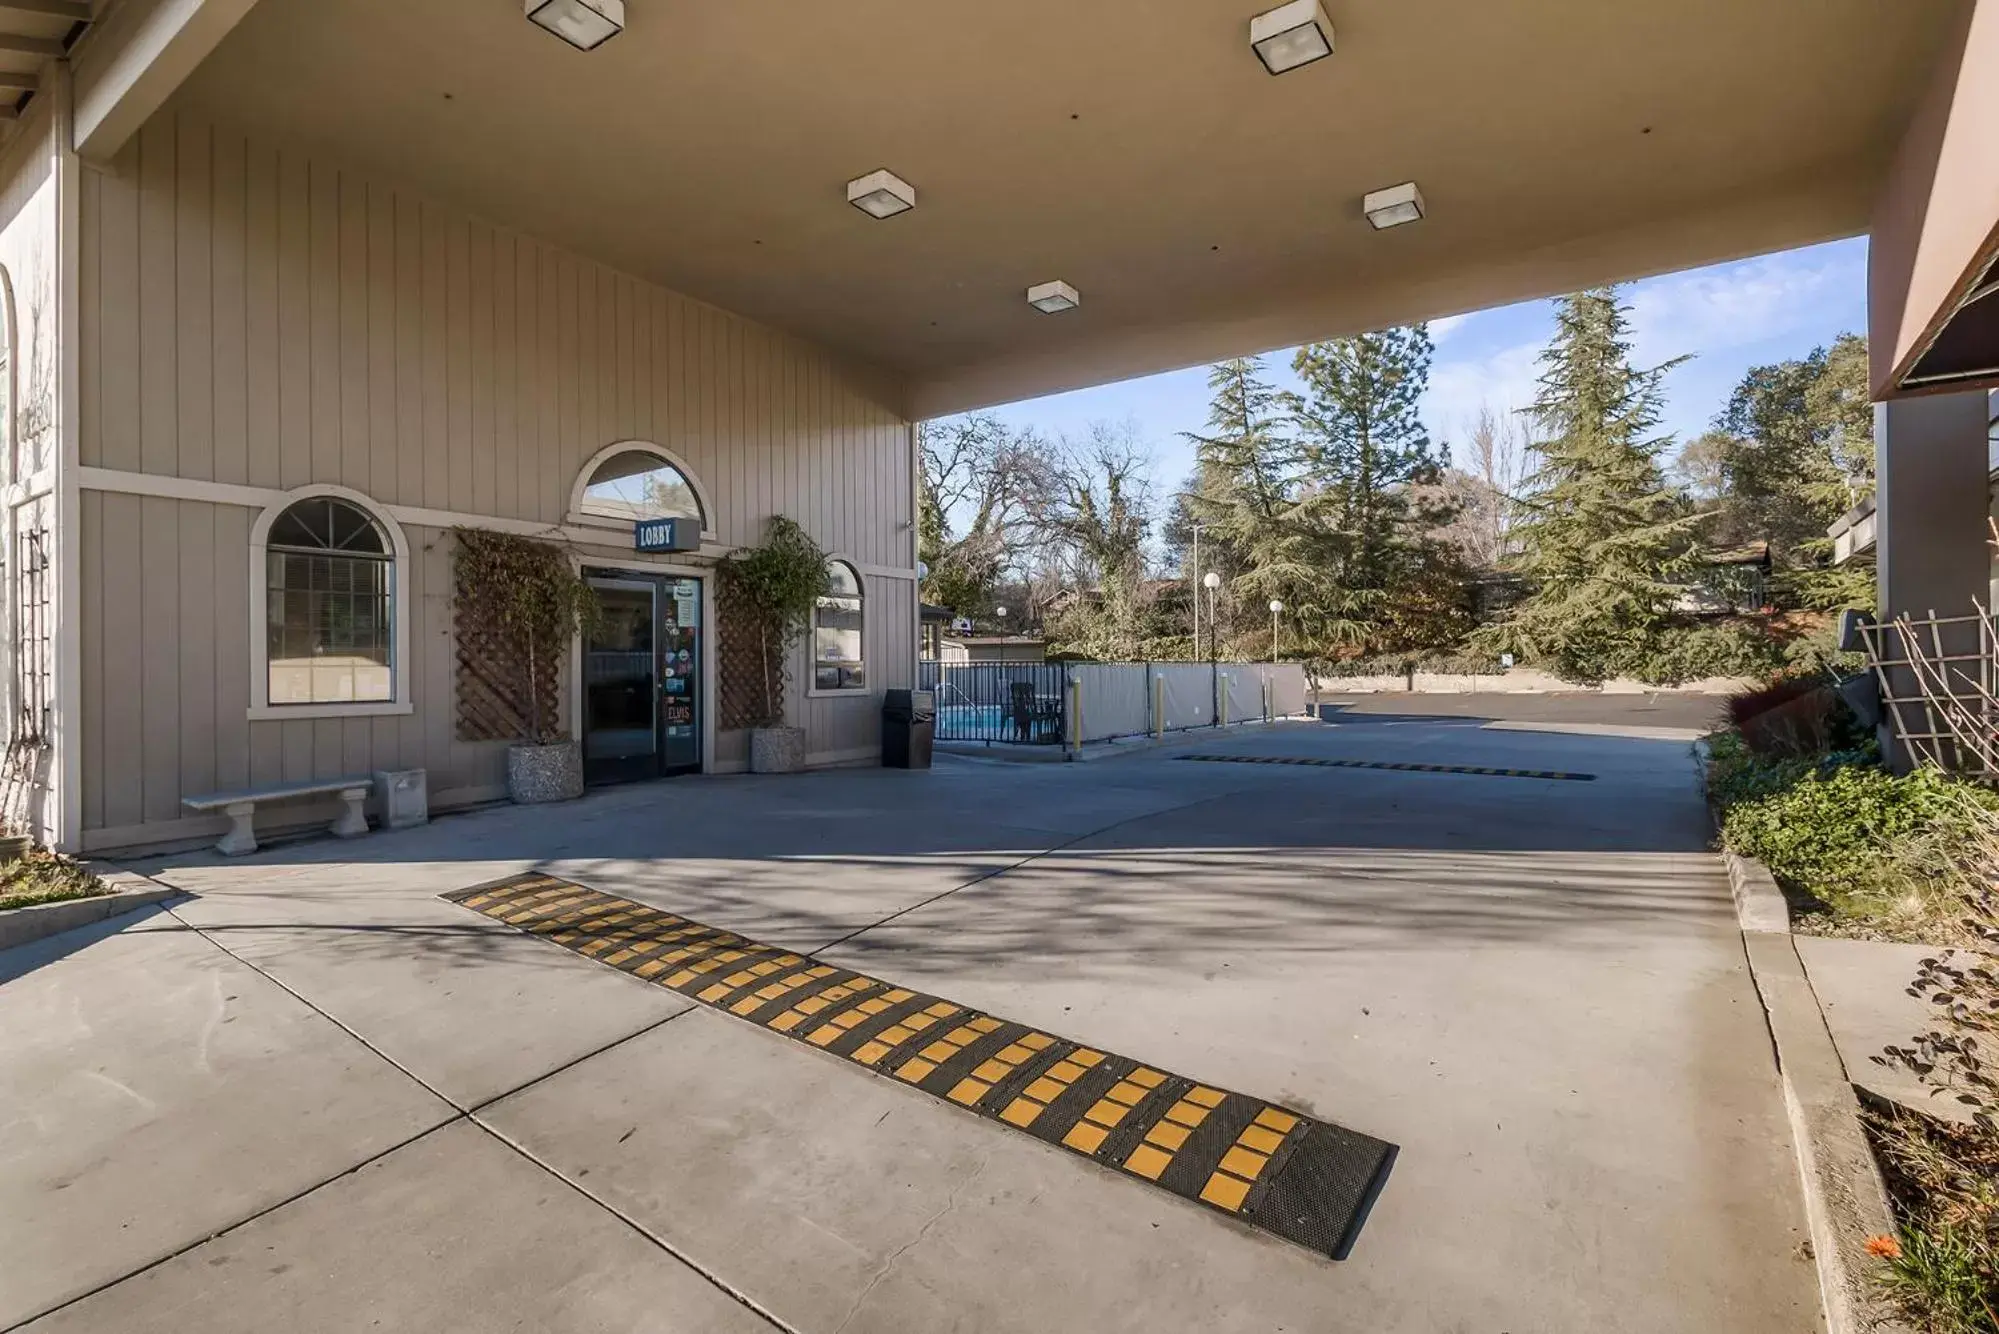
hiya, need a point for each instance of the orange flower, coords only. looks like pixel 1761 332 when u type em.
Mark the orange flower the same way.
pixel 1884 1248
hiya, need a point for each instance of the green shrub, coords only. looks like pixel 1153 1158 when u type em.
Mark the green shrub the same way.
pixel 1836 829
pixel 1704 651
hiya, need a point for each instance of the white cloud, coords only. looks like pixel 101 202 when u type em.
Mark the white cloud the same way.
pixel 1445 327
pixel 1503 380
pixel 1738 305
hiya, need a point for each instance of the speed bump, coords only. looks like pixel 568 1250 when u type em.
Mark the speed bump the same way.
pixel 1308 1181
pixel 1397 767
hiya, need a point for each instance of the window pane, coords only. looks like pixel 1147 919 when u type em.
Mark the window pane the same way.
pixel 836 633
pixel 841 581
pixel 326 524
pixel 639 485
pixel 328 627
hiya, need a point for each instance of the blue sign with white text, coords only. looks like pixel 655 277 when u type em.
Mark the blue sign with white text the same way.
pixel 666 535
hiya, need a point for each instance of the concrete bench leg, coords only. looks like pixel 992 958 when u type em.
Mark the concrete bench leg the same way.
pixel 241 840
pixel 353 821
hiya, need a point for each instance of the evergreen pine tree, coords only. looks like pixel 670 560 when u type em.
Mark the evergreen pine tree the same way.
pixel 1365 456
pixel 1241 492
pixel 1603 539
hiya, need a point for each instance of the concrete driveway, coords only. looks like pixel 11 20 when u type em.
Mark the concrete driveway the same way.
pixel 316 1096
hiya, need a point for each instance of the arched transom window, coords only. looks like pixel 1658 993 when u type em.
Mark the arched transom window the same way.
pixel 638 484
pixel 329 605
pixel 837 624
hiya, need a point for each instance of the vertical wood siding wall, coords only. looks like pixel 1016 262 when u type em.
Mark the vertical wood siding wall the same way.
pixel 256 316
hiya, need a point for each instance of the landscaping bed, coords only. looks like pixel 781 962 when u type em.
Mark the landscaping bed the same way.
pixel 1798 784
pixel 46 877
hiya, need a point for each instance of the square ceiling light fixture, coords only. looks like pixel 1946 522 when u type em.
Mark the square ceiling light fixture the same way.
pixel 1053 298
pixel 1291 36
pixel 1394 206
pixel 584 24
pixel 881 194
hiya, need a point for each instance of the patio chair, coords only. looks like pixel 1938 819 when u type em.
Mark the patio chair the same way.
pixel 1032 714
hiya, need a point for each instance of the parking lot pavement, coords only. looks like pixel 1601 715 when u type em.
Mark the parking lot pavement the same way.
pixel 1533 987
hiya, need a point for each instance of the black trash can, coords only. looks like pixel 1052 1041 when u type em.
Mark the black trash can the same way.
pixel 909 725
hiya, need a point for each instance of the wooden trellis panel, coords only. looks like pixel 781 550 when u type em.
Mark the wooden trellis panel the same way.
pixel 492 678
pixel 739 667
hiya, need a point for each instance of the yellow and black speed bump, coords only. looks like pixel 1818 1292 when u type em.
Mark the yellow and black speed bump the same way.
pixel 1398 768
pixel 1310 1182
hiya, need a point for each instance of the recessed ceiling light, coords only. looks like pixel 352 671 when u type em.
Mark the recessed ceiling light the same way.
pixel 584 24
pixel 881 194
pixel 1291 35
pixel 1394 206
pixel 1053 298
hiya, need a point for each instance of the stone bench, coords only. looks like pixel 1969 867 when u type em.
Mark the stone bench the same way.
pixel 241 806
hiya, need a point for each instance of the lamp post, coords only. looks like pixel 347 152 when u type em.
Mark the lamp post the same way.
pixel 999 614
pixel 1197 526
pixel 1212 582
pixel 1275 607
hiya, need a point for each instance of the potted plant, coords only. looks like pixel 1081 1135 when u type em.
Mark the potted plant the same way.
pixel 769 591
pixel 528 597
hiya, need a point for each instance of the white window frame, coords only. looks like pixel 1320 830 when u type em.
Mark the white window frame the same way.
pixel 813 690
pixel 261 709
pixel 578 518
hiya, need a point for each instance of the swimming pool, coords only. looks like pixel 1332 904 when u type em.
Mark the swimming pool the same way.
pixel 988 722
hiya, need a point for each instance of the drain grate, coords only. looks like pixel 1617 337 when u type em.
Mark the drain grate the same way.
pixel 1308 1181
pixel 1392 765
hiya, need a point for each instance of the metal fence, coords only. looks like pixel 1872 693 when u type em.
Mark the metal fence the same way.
pixel 1019 703
pixel 1075 703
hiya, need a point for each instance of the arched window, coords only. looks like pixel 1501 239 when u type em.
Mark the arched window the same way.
pixel 837 622
pixel 330 605
pixel 627 484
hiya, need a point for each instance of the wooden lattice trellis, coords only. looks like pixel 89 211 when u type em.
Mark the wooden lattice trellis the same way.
pixel 492 675
pixel 739 669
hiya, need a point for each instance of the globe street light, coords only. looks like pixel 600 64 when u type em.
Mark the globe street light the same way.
pixel 1212 581
pixel 1275 607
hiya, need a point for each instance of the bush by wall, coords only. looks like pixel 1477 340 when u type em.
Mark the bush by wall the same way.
pixel 1835 827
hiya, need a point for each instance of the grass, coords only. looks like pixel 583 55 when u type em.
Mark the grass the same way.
pixel 45 877
pixel 1942 1274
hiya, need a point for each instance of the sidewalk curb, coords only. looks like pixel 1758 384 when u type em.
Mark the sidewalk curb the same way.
pixel 1846 1201
pixel 129 893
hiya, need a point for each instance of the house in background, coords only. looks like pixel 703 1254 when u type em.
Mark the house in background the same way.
pixel 291 289
pixel 992 648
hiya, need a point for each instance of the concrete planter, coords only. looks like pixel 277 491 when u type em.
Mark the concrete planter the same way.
pixel 777 750
pixel 538 774
pixel 13 847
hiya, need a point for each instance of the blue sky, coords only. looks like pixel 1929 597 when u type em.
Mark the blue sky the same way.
pixel 1729 317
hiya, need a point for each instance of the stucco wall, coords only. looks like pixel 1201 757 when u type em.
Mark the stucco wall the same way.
pixel 256 319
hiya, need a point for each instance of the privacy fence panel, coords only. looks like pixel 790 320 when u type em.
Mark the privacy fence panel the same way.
pixel 1030 703
pixel 1116 700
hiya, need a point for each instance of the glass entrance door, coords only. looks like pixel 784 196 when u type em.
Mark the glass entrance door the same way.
pixel 641 678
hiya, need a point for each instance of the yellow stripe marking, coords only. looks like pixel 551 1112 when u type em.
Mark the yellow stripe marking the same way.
pixel 1167 1135
pixel 994 1071
pixel 711 994
pixel 870 1052
pixel 1187 1114
pixel 1085 1138
pixel 1151 1079
pixel 1147 1162
pixel 1021 1112
pixel 1225 1192
pixel 1272 1119
pixel 939 1051
pixel 1259 1139
pixel 1106 1112
pixel 1207 1097
pixel 1243 1163
pixel 915 1069
pixel 1127 1093
pixel 969 1091
pixel 1037 1042
pixel 1066 1071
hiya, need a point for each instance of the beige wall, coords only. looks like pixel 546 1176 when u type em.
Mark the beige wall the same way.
pixel 256 318
pixel 1938 219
